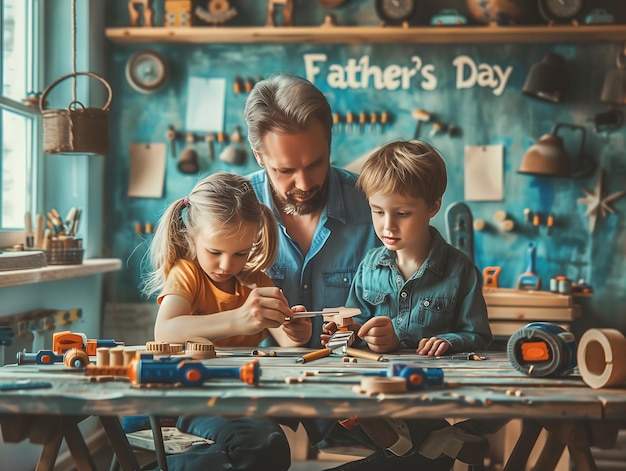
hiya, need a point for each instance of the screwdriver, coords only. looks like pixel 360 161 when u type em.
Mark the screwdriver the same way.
pixel 349 121
pixel 337 121
pixel 362 119
pixel 373 121
pixel 384 119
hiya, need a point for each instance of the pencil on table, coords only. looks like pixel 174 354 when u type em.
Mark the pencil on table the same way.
pixel 316 355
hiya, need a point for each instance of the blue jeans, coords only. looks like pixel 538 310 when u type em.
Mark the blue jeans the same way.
pixel 241 444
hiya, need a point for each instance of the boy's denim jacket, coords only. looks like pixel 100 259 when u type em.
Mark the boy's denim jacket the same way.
pixel 442 299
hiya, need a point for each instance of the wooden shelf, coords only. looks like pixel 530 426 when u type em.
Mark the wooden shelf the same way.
pixel 369 34
pixel 91 266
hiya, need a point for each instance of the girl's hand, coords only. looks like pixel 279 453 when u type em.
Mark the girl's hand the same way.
pixel 432 347
pixel 265 308
pixel 298 330
pixel 379 334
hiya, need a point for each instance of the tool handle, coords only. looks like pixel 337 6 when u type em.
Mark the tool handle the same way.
pixel 532 250
pixel 316 355
pixel 355 352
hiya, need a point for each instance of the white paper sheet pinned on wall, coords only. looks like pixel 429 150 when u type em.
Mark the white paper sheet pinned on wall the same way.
pixel 205 104
pixel 484 170
pixel 147 170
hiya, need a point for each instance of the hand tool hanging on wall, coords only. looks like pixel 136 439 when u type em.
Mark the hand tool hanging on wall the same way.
pixel 373 121
pixel 384 120
pixel 421 116
pixel 171 136
pixel 210 138
pixel 234 153
pixel 349 122
pixel 490 276
pixel 362 119
pixel 337 121
pixel 460 228
pixel 188 158
pixel 529 280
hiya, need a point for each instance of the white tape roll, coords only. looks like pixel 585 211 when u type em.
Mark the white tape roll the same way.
pixel 372 385
pixel 600 357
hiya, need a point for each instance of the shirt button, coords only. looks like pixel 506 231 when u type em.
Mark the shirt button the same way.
pixel 403 294
pixel 398 279
pixel 399 319
pixel 305 286
pixel 426 303
pixel 345 280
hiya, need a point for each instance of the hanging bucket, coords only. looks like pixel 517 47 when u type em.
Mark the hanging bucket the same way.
pixel 76 129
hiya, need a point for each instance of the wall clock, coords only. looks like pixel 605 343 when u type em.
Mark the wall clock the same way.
pixel 147 71
pixel 395 12
pixel 561 11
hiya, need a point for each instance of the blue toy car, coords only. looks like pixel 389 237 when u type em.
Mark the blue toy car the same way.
pixel 599 16
pixel 448 17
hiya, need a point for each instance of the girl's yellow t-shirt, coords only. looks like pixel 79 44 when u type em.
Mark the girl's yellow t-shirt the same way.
pixel 188 280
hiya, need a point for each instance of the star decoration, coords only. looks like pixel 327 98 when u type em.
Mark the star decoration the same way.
pixel 597 203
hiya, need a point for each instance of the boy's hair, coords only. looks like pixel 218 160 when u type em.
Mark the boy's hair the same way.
pixel 410 168
pixel 285 104
pixel 223 202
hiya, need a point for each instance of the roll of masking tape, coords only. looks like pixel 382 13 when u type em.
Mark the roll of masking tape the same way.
pixel 600 355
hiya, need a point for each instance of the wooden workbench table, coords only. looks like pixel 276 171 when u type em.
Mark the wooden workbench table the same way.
pixel 491 388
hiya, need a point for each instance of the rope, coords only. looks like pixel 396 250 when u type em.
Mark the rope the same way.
pixel 74 51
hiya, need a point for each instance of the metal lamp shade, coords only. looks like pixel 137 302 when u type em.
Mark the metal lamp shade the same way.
pixel 614 88
pixel 548 156
pixel 545 159
pixel 547 80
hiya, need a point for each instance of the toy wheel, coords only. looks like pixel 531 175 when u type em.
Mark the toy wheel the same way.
pixel 75 358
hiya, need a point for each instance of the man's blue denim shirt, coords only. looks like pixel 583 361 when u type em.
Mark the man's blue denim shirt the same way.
pixel 442 299
pixel 322 278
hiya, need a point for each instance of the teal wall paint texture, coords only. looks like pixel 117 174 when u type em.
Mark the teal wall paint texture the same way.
pixel 511 119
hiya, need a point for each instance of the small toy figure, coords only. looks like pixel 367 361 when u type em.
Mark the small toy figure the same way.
pixel 138 7
pixel 287 6
pixel 177 13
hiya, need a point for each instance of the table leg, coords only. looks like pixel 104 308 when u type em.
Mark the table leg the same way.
pixel 574 435
pixel 76 444
pixel 159 446
pixel 550 454
pixel 524 445
pixel 119 443
pixel 50 450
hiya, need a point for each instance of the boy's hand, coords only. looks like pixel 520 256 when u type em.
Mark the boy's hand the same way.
pixel 331 327
pixel 328 330
pixel 299 330
pixel 432 347
pixel 379 334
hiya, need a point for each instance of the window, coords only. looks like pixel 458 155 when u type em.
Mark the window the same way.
pixel 19 123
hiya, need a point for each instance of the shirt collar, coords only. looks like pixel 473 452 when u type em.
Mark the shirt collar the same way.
pixel 335 204
pixel 436 260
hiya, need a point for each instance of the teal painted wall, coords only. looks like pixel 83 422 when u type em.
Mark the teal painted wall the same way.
pixel 511 119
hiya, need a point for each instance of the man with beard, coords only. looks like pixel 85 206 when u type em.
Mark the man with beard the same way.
pixel 325 230
pixel 325 222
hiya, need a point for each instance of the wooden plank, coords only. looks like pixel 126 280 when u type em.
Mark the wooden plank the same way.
pixel 369 34
pixel 532 314
pixel 508 328
pixel 518 297
pixel 91 266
